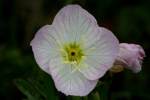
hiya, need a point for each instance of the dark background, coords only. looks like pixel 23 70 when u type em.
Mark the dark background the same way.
pixel 20 76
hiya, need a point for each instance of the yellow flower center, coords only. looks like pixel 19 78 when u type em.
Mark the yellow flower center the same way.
pixel 72 53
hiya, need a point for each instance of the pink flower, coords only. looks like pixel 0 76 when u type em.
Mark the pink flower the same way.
pixel 130 56
pixel 74 50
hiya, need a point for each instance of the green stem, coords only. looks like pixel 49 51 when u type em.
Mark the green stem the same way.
pixel 96 96
pixel 74 98
pixel 85 98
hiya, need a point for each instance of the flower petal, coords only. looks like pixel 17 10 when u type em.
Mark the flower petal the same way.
pixel 99 55
pixel 72 21
pixel 44 47
pixel 68 80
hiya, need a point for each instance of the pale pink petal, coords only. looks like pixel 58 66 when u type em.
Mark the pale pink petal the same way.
pixel 68 80
pixel 100 55
pixel 44 47
pixel 72 22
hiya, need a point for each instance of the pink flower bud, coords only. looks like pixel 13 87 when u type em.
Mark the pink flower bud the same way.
pixel 131 56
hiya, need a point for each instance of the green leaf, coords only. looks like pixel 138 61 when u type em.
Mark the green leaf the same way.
pixel 28 90
pixel 37 87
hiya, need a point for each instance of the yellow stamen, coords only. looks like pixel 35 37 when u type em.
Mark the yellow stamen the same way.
pixel 72 53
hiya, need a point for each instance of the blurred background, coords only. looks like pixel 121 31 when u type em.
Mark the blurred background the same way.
pixel 20 76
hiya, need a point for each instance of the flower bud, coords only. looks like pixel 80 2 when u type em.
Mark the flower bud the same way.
pixel 130 56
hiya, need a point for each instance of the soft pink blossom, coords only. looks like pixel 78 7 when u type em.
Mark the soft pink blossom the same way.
pixel 99 47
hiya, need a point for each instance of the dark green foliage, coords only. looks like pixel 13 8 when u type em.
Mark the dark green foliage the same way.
pixel 37 87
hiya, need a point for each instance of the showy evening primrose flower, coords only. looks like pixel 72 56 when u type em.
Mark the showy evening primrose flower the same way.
pixel 74 50
pixel 130 56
